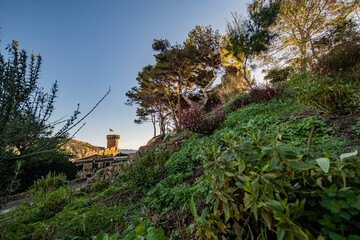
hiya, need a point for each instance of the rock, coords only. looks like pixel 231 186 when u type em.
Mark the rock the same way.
pixel 172 146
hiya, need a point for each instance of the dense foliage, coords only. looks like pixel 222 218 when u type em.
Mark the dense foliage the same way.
pixel 259 188
pixel 29 145
pixel 277 162
pixel 333 85
pixel 197 120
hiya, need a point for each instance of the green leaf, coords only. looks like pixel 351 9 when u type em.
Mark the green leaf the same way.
pixel 299 165
pixel 345 215
pixel 193 208
pixel 357 203
pixel 280 233
pixel 336 236
pixel 241 167
pixel 209 198
pixel 221 226
pixel 347 155
pixel 275 205
pixel 239 184
pixel 226 210
pixel 140 229
pixel 205 212
pixel 354 237
pixel 221 174
pixel 324 164
pixel 155 234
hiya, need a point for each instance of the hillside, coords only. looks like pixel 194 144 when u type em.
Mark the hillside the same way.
pixel 81 149
pixel 161 196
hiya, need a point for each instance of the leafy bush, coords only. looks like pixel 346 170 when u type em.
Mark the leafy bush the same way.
pixel 277 75
pixel 142 229
pixel 329 95
pixel 184 161
pixel 54 202
pixel 51 182
pixel 264 93
pixel 30 221
pixel 147 169
pixel 238 102
pixel 83 223
pixel 173 192
pixel 39 165
pixel 100 185
pixel 261 189
pixel 333 83
pixel 198 121
pixel 341 59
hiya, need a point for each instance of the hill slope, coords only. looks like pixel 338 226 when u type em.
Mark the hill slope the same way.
pixel 159 196
pixel 81 149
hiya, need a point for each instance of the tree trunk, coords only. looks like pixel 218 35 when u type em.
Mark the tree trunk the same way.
pixel 178 128
pixel 173 113
pixel 153 119
pixel 245 75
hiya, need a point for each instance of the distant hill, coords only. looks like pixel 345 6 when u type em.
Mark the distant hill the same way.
pixel 81 149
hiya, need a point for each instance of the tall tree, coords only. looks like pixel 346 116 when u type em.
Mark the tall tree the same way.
pixel 176 64
pixel 181 76
pixel 249 37
pixel 205 45
pixel 301 23
pixel 149 95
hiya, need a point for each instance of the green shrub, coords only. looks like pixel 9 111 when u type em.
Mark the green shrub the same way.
pixel 100 185
pixel 142 229
pixel 30 221
pixel 277 75
pixel 83 223
pixel 104 236
pixel 293 86
pixel 198 121
pixel 264 93
pixel 296 133
pixel 239 101
pixel 39 165
pixel 333 82
pixel 259 189
pixel 185 160
pixel 342 60
pixel 51 182
pixel 54 202
pixel 329 95
pixel 172 192
pixel 147 169
pixel 262 115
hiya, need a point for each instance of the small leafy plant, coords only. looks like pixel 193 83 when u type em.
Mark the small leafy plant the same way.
pixel 51 182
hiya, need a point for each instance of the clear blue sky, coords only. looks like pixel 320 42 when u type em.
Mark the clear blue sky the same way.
pixel 89 45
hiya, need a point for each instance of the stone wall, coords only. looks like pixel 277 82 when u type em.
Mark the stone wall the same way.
pixel 106 173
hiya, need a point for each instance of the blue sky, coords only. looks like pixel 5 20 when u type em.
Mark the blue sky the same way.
pixel 89 45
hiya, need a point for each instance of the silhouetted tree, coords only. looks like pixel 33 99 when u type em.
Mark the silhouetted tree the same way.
pixel 25 110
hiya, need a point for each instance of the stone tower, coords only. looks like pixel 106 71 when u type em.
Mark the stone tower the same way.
pixel 112 141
